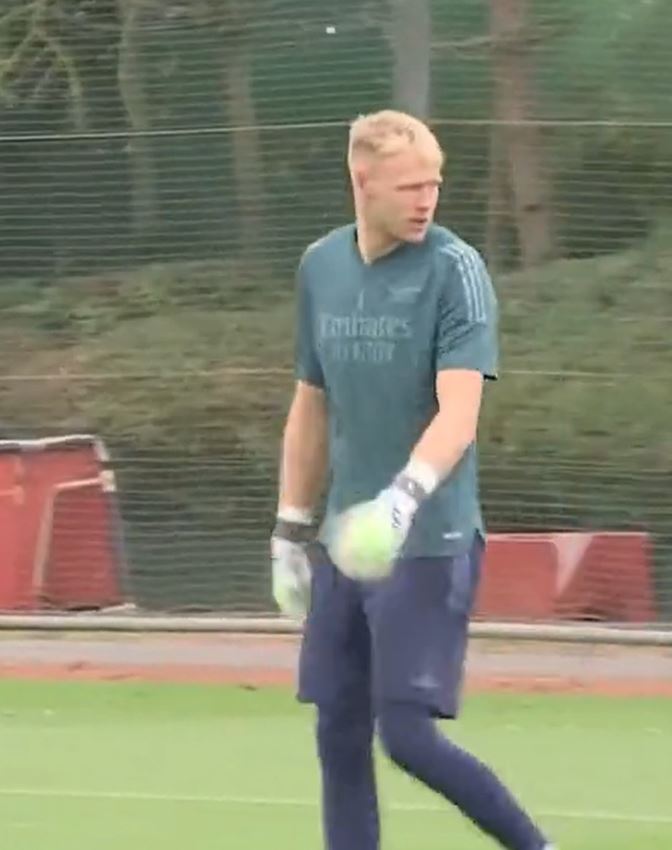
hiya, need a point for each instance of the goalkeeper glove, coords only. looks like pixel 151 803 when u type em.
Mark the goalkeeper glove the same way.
pixel 291 536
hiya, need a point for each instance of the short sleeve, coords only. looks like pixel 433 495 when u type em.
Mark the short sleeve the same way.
pixel 468 320
pixel 307 362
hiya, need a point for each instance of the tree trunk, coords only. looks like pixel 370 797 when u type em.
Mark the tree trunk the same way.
pixel 246 143
pixel 499 199
pixel 144 193
pixel 411 44
pixel 515 103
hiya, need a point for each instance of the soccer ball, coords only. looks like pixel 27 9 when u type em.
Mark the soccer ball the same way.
pixel 365 543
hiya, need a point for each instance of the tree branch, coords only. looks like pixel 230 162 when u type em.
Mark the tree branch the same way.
pixel 9 66
pixel 40 40
pixel 514 39
pixel 9 17
pixel 78 106
pixel 12 64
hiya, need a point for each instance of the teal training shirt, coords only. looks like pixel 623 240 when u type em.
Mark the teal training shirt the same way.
pixel 373 337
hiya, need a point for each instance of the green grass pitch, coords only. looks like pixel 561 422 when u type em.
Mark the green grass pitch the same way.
pixel 163 767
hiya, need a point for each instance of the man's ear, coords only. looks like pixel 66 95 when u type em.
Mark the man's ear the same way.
pixel 359 178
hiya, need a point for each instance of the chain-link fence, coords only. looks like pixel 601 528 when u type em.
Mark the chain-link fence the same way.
pixel 164 164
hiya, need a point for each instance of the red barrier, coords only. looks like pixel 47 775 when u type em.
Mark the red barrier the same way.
pixel 604 576
pixel 519 578
pixel 59 541
pixel 611 580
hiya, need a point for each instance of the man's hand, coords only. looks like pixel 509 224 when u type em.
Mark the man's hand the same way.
pixel 291 567
pixel 370 535
pixel 302 473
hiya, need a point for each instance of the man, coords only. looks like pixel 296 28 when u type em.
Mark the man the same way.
pixel 396 334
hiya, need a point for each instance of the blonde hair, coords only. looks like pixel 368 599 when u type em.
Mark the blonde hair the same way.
pixel 386 133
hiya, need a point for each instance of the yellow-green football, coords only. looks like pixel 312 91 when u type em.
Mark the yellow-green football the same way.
pixel 365 543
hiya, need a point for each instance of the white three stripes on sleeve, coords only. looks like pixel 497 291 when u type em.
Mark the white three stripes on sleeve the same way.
pixel 473 277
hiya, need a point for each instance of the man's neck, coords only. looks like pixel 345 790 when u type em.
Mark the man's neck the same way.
pixel 372 244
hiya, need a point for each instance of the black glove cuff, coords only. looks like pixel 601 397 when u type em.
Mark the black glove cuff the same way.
pixel 411 487
pixel 295 532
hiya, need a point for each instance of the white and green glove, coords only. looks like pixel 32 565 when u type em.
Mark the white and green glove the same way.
pixel 291 567
pixel 369 536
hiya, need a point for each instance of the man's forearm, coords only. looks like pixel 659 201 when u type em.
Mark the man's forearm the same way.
pixel 439 450
pixel 451 431
pixel 304 454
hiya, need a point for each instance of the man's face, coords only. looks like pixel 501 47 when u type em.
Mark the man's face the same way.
pixel 400 194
